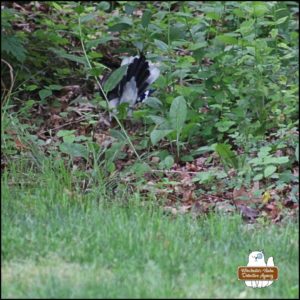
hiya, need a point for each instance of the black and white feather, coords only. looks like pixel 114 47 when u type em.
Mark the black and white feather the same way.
pixel 133 87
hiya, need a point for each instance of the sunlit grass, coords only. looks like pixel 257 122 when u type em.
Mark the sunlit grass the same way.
pixel 61 244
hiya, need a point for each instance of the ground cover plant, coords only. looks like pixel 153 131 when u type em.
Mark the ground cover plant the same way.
pixel 207 165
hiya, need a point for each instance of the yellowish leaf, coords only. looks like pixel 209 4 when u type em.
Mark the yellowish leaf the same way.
pixel 266 197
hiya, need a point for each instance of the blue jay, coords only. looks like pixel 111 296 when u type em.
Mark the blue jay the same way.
pixel 133 86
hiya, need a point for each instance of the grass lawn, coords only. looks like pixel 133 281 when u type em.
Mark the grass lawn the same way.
pixel 59 244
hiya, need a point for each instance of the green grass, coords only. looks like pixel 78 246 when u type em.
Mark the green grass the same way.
pixel 57 244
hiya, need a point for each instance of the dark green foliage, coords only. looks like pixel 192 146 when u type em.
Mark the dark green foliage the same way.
pixel 229 69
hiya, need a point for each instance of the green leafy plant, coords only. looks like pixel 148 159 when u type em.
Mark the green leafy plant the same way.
pixel 265 165
pixel 70 144
pixel 173 124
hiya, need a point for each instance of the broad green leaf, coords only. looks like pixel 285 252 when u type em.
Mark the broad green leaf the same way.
pixel 129 8
pixel 269 170
pixel 157 119
pixel 247 27
pixel 276 160
pixel 264 151
pixel 31 87
pixel 280 21
pixel 100 41
pixel 69 138
pixel 96 71
pixel 79 9
pixel 74 150
pixel 238 12
pixel 182 14
pixel 88 17
pixel 283 45
pixel 203 149
pixel 161 45
pixel 187 158
pixel 256 161
pixel 153 102
pixel 224 125
pixel 146 18
pixel 45 93
pixel 55 87
pixel 13 45
pixel 110 166
pixel 56 5
pixel 140 168
pixel 82 138
pixel 221 174
pixel 259 8
pixel 178 113
pixel 227 155
pixel 181 73
pixel 114 78
pixel 258 177
pixel 62 133
pixel 274 33
pixel 198 45
pixel 167 163
pixel 119 27
pixel 227 39
pixel 213 15
pixel 103 5
pixel 204 177
pixel 117 134
pixel 157 134
pixel 71 57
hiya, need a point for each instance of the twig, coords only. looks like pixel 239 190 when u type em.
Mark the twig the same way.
pixel 66 124
pixel 12 80
pixel 172 171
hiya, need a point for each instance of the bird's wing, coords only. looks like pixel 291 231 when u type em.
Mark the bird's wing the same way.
pixel 131 89
pixel 154 74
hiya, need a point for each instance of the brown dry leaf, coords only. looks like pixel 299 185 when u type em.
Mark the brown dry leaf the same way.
pixel 296 172
pixel 103 139
pixel 191 167
pixel 273 211
pixel 186 180
pixel 188 196
pixel 103 121
pixel 41 133
pixel 19 145
pixel 200 162
pixel 55 120
pixel 242 196
pixel 68 92
pixel 232 172
pixel 155 159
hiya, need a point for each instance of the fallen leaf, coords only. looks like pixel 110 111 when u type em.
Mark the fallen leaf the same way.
pixel 19 144
pixel 266 197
